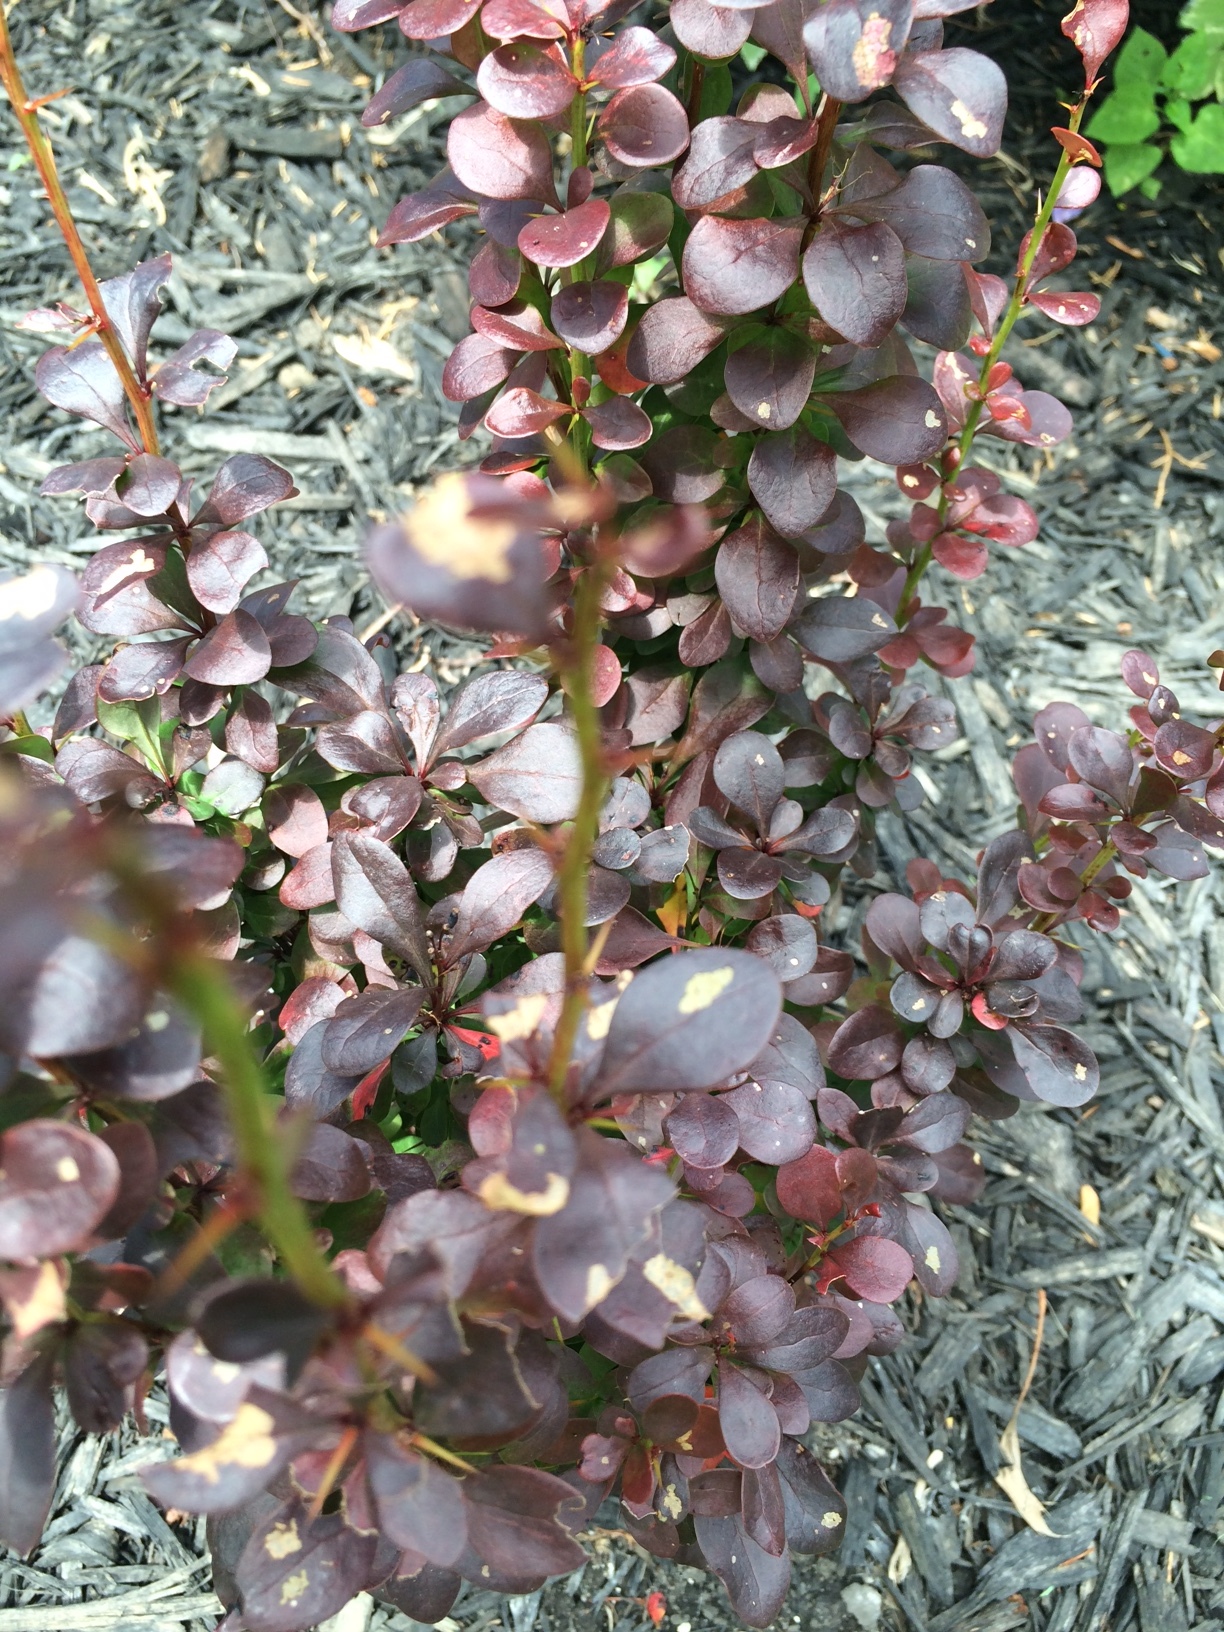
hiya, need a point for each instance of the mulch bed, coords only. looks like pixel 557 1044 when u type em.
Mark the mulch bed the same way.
pixel 228 134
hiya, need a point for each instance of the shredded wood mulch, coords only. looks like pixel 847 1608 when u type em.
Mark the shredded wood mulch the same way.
pixel 228 133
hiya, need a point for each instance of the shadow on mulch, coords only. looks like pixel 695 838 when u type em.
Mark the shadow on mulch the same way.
pixel 228 134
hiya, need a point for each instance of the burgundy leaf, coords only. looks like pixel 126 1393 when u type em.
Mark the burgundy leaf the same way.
pixel 899 420
pixel 618 424
pixel 671 339
pixel 758 578
pixel 234 653
pixel 219 567
pixel 536 777
pixel 641 223
pixel 644 125
pixel 418 80
pixel 525 82
pixel 854 45
pixel 690 1022
pixel 517 326
pixel 731 267
pixel 297 1571
pixel 83 381
pixel 793 477
pixel 1095 27
pixel 477 364
pixel 856 278
pixel 874 1267
pixel 637 56
pixel 419 214
pixel 769 380
pixel 710 32
pixel 1074 310
pixel 179 381
pixel 591 316
pixel 499 157
pixel 720 159
pixel 934 214
pixel 564 240
pixel 496 897
pixel 959 94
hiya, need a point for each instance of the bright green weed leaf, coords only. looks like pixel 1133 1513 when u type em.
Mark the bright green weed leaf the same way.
pixel 752 55
pixel 1140 60
pixel 1129 163
pixel 1127 115
pixel 1150 188
pixel 1179 112
pixel 1201 149
pixel 1191 70
pixel 1207 15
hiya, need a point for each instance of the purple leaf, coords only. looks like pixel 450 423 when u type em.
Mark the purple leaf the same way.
pixel 769 380
pixel 720 159
pixel 418 80
pixel 959 94
pixel 671 339
pixel 793 477
pixel 899 420
pixel 618 424
pixel 644 125
pixel 856 279
pixel 84 382
pixel 854 45
pixel 732 267
pixel 219 567
pixel 933 213
pixel 233 653
pixel 181 382
pixel 564 240
pixel 711 32
pixel 637 56
pixel 758 578
pixel 591 316
pixel 524 82
pixel 499 157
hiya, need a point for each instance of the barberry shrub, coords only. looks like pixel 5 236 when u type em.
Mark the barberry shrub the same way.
pixel 452 1097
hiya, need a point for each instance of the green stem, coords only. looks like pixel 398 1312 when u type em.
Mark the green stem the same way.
pixel 1101 860
pixel 44 162
pixel 202 986
pixel 1006 324
pixel 572 881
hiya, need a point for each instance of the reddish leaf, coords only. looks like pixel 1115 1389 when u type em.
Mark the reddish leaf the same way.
pixel 536 777
pixel 58 1183
pixel 874 1267
pixel 234 653
pixel 720 159
pixel 959 94
pixel 793 477
pixel 618 424
pixel 591 316
pixel 219 567
pixel 731 267
pixel 564 240
pixel 769 380
pixel 856 278
pixel 758 578
pixel 644 125
pixel 637 56
pixel 524 82
pixel 1074 310
pixel 710 32
pixel 671 339
pixel 499 157
pixel 1095 27
pixel 899 420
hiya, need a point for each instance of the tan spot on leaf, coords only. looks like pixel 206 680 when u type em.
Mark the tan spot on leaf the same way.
pixel 497 1193
pixel 522 1019
pixel 66 1170
pixel 969 122
pixel 1180 758
pixel 873 61
pixel 704 989
pixel 830 1520
pixel 246 1442
pixel 441 530
pixel 932 1259
pixel 763 410
pixel 29 596
pixel 137 562
pixel 599 1019
pixel 676 1284
pixel 671 1503
pixel 599 1284
pixel 931 419
pixel 1081 1073
pixel 293 1587
pixel 282 1540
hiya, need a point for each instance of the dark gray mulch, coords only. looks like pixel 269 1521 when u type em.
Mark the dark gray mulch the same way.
pixel 228 133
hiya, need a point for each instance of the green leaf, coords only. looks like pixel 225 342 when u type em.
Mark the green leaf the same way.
pixel 1179 112
pixel 1207 15
pixel 1191 70
pixel 137 723
pixel 1201 149
pixel 32 747
pixel 1126 115
pixel 1140 60
pixel 752 55
pixel 1128 164
pixel 1150 188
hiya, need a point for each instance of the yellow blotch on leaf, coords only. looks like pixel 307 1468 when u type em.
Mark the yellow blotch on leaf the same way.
pixel 676 1284
pixel 704 989
pixel 246 1442
pixel 442 530
pixel 293 1587
pixel 496 1191
pixel 283 1540
pixel 522 1019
